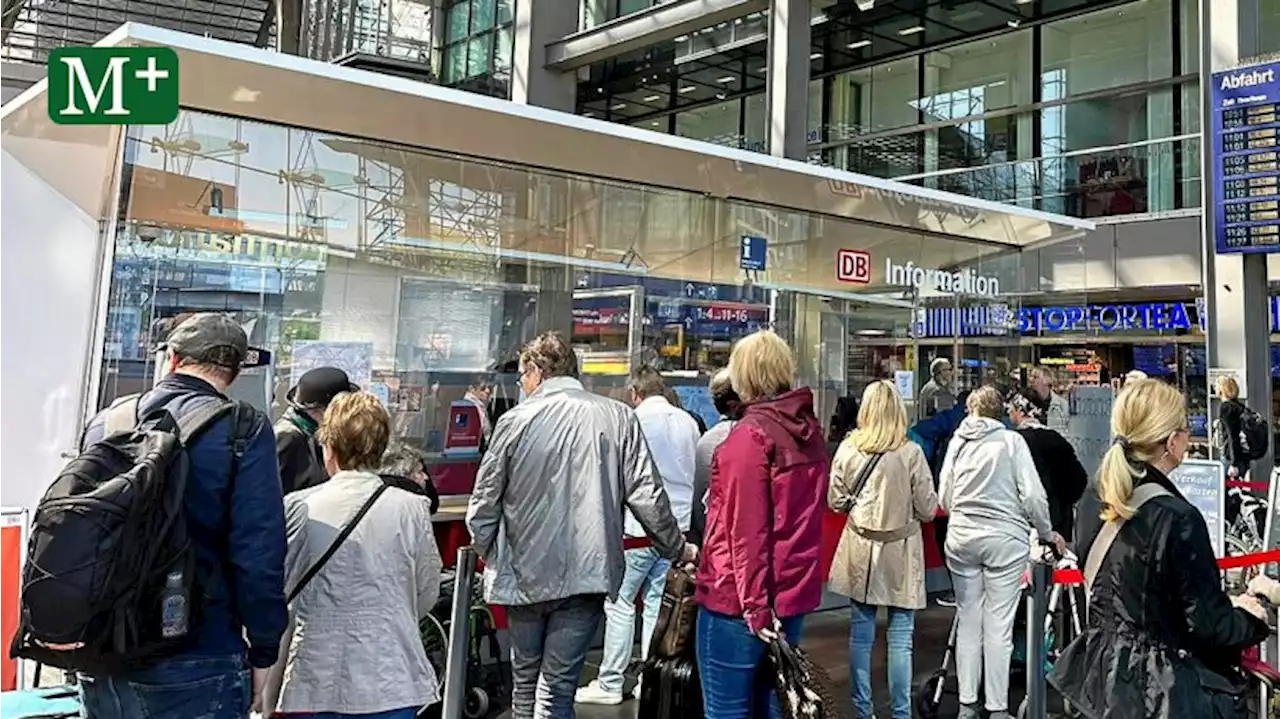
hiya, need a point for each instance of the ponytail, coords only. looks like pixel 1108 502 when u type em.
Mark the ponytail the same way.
pixel 1146 413
pixel 1115 484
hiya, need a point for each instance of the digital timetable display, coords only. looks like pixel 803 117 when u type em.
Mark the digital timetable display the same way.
pixel 1246 159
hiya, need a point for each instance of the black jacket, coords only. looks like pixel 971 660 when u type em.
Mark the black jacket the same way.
pixel 1232 416
pixel 1061 473
pixel 1162 640
pixel 299 453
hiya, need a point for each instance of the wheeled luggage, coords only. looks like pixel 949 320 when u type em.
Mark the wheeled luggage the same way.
pixel 670 689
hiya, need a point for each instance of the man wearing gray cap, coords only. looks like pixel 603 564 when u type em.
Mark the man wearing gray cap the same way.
pixel 235 518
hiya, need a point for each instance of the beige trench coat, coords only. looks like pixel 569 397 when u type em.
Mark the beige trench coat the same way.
pixel 880 558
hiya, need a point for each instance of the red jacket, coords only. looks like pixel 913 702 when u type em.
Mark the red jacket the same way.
pixel 758 564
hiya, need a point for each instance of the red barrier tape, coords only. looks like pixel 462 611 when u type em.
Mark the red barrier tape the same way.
pixel 1250 486
pixel 1075 576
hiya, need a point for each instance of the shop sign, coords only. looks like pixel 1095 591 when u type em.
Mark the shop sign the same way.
pixel 1152 316
pixel 960 282
pixel 853 266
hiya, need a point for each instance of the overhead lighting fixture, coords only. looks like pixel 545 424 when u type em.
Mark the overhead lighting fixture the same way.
pixel 652 98
pixel 1014 24
pixel 686 89
pixel 1023 2
pixel 911 30
pixel 588 113
pixel 619 106
pixel 720 96
pixel 815 56
pixel 726 79
pixel 655 123
pixel 858 44
pixel 865 5
pixel 682 38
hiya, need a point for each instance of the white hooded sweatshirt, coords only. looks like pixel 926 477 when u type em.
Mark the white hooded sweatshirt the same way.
pixel 989 482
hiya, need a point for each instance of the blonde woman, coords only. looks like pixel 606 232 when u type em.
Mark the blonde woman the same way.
pixel 1162 638
pixel 883 483
pixel 1231 416
pixel 356 649
pixel 758 574
pixel 990 489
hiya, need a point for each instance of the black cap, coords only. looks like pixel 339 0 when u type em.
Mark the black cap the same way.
pixel 317 387
pixel 210 338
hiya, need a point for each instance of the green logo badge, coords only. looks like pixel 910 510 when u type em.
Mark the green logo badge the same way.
pixel 113 85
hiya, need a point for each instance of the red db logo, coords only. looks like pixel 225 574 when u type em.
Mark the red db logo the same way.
pixel 853 266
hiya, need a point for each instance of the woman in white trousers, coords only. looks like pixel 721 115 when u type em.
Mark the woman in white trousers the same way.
pixel 994 497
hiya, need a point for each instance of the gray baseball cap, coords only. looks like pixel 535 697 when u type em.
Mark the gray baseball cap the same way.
pixel 210 338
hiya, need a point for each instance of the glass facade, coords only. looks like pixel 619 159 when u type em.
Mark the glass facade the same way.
pixel 478 41
pixel 418 271
pixel 1091 115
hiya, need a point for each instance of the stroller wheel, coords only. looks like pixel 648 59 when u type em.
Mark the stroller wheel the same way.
pixel 928 696
pixel 477 705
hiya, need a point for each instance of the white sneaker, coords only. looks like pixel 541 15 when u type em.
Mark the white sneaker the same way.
pixel 594 694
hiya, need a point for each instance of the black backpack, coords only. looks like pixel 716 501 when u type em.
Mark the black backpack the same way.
pixel 110 571
pixel 1254 434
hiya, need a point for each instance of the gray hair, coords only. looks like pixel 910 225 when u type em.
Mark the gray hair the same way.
pixel 403 461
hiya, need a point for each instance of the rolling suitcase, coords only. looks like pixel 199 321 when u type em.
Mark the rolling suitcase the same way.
pixel 670 689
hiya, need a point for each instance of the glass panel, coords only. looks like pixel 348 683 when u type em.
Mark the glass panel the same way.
pixel 422 273
pixel 879 98
pixel 978 77
pixel 1268 28
pixel 502 52
pixel 717 123
pixel 479 55
pixel 756 124
pixel 459 17
pixel 455 62
pixel 506 12
pixel 1109 48
pixel 481 15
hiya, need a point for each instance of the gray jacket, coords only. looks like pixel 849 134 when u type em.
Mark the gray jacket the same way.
pixel 362 609
pixel 546 513
pixel 706 452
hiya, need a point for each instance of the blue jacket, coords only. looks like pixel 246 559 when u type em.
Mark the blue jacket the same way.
pixel 933 435
pixel 236 528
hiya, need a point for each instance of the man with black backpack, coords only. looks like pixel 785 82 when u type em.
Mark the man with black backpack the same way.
pixel 159 552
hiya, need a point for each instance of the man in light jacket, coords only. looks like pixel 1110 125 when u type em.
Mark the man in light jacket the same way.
pixel 672 435
pixel 546 515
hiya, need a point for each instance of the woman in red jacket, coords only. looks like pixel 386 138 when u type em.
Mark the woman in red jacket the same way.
pixel 759 572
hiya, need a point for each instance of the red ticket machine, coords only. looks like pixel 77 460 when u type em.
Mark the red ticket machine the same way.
pixel 465 430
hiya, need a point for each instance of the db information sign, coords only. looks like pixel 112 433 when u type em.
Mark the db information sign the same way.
pixel 853 266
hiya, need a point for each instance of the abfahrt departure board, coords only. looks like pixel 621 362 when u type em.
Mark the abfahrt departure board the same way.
pixel 1245 142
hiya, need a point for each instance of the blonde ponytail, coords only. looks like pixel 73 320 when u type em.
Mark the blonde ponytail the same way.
pixel 1115 484
pixel 1146 413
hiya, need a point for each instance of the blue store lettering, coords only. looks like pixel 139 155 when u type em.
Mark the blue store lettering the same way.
pixel 1155 316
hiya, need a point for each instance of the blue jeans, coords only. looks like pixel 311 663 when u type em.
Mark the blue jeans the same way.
pixel 189 688
pixel 862 635
pixel 549 643
pixel 728 657
pixel 410 713
pixel 643 566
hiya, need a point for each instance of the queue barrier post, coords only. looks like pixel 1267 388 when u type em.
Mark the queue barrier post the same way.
pixel 455 670
pixel 1037 611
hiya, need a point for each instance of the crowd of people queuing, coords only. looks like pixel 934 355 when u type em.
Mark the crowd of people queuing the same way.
pixel 319 559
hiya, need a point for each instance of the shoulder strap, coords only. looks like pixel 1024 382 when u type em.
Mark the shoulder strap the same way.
pixel 193 423
pixel 337 542
pixel 1142 494
pixel 864 473
pixel 122 415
